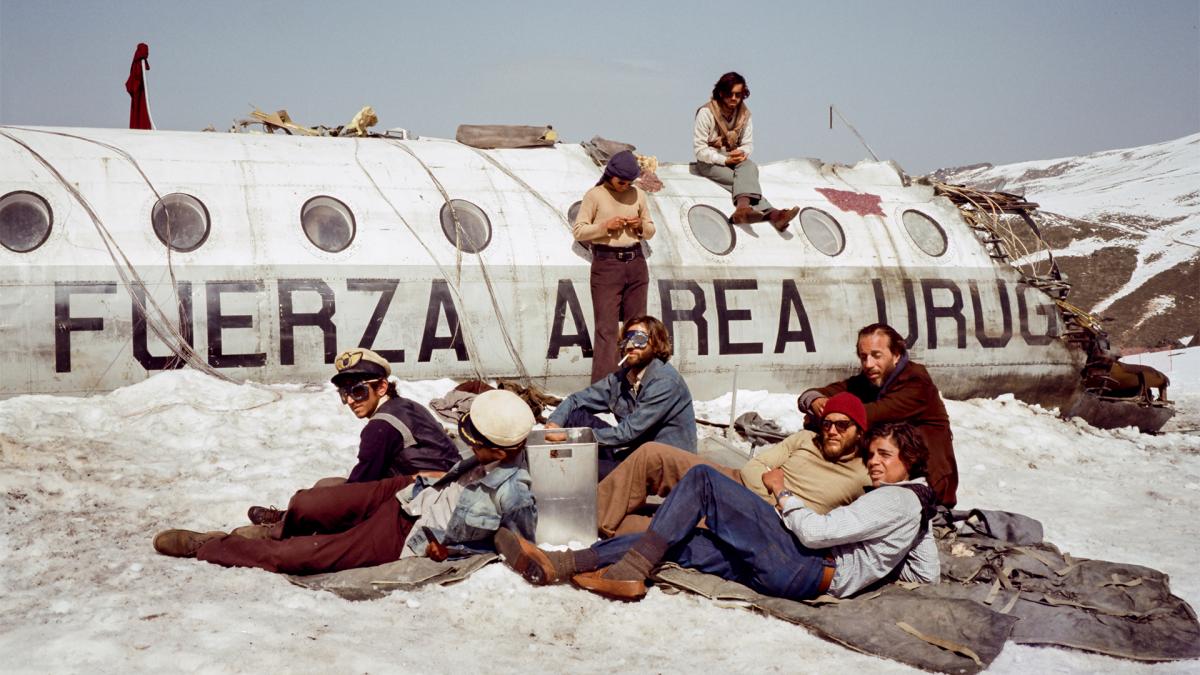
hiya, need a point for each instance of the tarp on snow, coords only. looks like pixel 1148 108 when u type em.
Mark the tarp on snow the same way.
pixel 991 591
pixel 370 583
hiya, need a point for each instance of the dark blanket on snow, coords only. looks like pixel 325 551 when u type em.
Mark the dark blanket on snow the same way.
pixel 991 591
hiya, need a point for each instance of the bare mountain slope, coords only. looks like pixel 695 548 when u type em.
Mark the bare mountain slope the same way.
pixel 1125 227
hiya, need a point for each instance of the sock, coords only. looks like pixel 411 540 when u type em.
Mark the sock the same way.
pixel 564 563
pixel 639 560
pixel 585 560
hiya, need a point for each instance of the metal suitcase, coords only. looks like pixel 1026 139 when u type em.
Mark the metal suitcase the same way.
pixel 564 475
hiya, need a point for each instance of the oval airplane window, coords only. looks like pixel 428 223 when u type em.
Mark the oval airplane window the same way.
pixel 712 229
pixel 572 212
pixel 928 235
pixel 327 223
pixel 180 221
pixel 474 230
pixel 25 220
pixel 823 231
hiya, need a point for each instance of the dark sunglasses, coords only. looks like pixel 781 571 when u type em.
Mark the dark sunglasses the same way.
pixel 636 339
pixel 358 392
pixel 841 425
pixel 743 94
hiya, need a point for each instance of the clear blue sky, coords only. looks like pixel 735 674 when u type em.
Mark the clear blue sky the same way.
pixel 929 84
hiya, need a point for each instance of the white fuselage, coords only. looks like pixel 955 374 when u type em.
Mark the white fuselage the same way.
pixel 258 300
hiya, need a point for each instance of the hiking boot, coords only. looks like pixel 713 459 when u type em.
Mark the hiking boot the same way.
pixel 253 531
pixel 183 543
pixel 781 217
pixel 264 515
pixel 615 589
pixel 744 215
pixel 526 559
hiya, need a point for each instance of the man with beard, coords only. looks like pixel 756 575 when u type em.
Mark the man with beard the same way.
pixel 646 395
pixel 896 389
pixel 824 470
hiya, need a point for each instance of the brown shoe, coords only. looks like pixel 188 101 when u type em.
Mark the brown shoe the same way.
pixel 744 215
pixel 253 531
pixel 525 558
pixel 781 217
pixel 264 515
pixel 615 589
pixel 183 543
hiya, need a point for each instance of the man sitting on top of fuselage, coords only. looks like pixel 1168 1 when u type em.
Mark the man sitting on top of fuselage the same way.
pixel 824 470
pixel 401 437
pixel 646 394
pixel 896 389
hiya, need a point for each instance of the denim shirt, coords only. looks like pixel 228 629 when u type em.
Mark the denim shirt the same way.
pixel 503 497
pixel 661 410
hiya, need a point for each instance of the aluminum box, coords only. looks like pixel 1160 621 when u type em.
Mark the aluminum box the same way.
pixel 564 475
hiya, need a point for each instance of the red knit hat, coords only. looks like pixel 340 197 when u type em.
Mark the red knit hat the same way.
pixel 848 405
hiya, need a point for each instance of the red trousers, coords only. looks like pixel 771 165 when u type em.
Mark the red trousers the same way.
pixel 325 530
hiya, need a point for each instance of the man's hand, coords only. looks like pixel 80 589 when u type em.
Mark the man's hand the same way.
pixel 554 437
pixel 773 480
pixel 614 224
pixel 818 406
pixel 734 158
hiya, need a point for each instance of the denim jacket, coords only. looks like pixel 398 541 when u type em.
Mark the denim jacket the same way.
pixel 503 497
pixel 660 411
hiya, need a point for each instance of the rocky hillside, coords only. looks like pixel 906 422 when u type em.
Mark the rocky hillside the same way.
pixel 1124 226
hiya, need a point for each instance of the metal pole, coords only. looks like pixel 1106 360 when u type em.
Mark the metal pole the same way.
pixel 730 433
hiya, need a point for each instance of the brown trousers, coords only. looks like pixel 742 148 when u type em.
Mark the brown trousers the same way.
pixel 326 529
pixel 619 290
pixel 652 469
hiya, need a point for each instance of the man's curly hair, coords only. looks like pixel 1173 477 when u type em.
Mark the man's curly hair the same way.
pixel 913 452
pixel 660 339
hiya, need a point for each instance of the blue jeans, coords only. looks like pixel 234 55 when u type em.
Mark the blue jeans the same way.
pixel 746 541
pixel 607 458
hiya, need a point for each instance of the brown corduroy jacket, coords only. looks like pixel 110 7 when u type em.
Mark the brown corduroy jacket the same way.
pixel 911 397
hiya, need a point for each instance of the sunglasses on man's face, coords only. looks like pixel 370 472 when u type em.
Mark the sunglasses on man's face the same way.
pixel 636 339
pixel 841 425
pixel 357 392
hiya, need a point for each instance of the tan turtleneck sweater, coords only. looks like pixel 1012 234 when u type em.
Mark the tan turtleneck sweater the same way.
pixel 601 203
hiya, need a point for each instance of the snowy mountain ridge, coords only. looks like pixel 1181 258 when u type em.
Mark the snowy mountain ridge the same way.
pixel 1125 227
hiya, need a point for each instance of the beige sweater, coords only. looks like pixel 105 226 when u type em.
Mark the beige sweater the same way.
pixel 821 484
pixel 600 204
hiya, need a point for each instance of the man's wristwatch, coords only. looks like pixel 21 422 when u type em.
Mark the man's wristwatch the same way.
pixel 784 493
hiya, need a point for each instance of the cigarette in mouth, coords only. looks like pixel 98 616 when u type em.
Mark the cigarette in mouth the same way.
pixel 622 361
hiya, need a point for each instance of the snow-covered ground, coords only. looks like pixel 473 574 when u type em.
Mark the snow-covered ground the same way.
pixel 88 481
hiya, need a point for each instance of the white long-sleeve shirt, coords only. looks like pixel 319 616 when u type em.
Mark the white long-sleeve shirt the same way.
pixel 705 132
pixel 869 538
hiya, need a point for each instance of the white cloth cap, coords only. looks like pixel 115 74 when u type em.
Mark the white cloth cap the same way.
pixel 502 417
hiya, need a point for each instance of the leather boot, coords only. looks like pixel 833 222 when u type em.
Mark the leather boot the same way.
pixel 744 215
pixel 615 589
pixel 781 217
pixel 183 543
pixel 254 531
pixel 264 515
pixel 538 567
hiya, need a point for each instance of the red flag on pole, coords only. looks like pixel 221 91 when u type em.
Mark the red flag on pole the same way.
pixel 139 104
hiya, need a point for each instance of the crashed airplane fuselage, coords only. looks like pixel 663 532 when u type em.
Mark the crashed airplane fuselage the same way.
pixel 262 256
